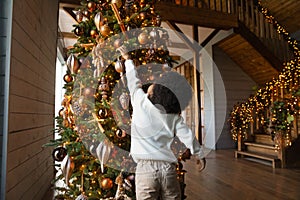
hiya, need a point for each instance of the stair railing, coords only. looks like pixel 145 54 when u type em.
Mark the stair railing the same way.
pixel 248 13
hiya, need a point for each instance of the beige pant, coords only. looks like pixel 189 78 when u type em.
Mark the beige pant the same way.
pixel 156 180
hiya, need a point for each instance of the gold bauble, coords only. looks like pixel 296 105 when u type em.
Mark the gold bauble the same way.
pixel 117 2
pixel 68 78
pixel 105 30
pixel 143 38
pixel 107 183
pixel 93 33
pixel 119 66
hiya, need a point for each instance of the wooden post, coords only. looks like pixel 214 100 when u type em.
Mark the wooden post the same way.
pixel 251 127
pixel 239 142
pixel 281 153
pixel 257 122
pixel 295 128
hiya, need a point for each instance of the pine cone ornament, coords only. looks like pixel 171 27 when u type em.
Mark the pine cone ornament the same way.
pixel 124 100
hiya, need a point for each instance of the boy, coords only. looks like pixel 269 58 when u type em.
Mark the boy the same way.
pixel 155 122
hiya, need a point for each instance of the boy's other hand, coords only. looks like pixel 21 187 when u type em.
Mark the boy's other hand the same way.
pixel 202 164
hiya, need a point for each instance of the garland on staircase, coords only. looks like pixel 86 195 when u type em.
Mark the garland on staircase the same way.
pixel 274 107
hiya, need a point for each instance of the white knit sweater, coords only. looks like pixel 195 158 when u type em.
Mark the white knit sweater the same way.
pixel 152 130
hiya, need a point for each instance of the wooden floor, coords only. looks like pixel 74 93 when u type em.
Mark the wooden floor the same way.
pixel 228 178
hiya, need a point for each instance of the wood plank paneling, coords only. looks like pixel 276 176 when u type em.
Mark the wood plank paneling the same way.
pixel 26 160
pixel 32 180
pixel 25 88
pixel 238 87
pixel 26 59
pixel 24 138
pixel 32 86
pixel 248 58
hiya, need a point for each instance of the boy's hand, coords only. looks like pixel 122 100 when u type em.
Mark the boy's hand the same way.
pixel 202 164
pixel 124 52
pixel 186 155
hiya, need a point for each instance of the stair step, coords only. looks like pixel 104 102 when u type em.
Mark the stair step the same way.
pixel 265 149
pixel 263 139
pixel 273 159
pixel 266 146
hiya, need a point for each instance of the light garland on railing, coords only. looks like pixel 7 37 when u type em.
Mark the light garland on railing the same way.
pixel 272 108
pixel 280 29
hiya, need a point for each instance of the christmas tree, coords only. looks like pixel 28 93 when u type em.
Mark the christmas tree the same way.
pixel 94 123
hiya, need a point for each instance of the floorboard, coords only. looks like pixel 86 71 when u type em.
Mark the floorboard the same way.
pixel 226 177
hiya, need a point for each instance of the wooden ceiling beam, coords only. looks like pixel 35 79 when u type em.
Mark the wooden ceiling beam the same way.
pixel 183 14
pixel 196 16
pixel 181 35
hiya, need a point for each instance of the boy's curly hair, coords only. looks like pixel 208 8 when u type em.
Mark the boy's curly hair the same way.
pixel 172 91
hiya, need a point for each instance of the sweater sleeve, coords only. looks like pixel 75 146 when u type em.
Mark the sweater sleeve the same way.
pixel 137 95
pixel 185 135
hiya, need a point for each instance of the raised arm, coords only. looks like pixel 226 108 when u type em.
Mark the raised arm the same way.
pixel 137 95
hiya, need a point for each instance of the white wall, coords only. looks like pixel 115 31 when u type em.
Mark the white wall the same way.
pixel 214 94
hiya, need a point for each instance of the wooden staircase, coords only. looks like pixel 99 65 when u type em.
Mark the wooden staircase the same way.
pixel 262 147
pixel 256 46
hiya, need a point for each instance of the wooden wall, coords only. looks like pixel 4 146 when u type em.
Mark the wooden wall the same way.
pixel 31 107
pixel 238 87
